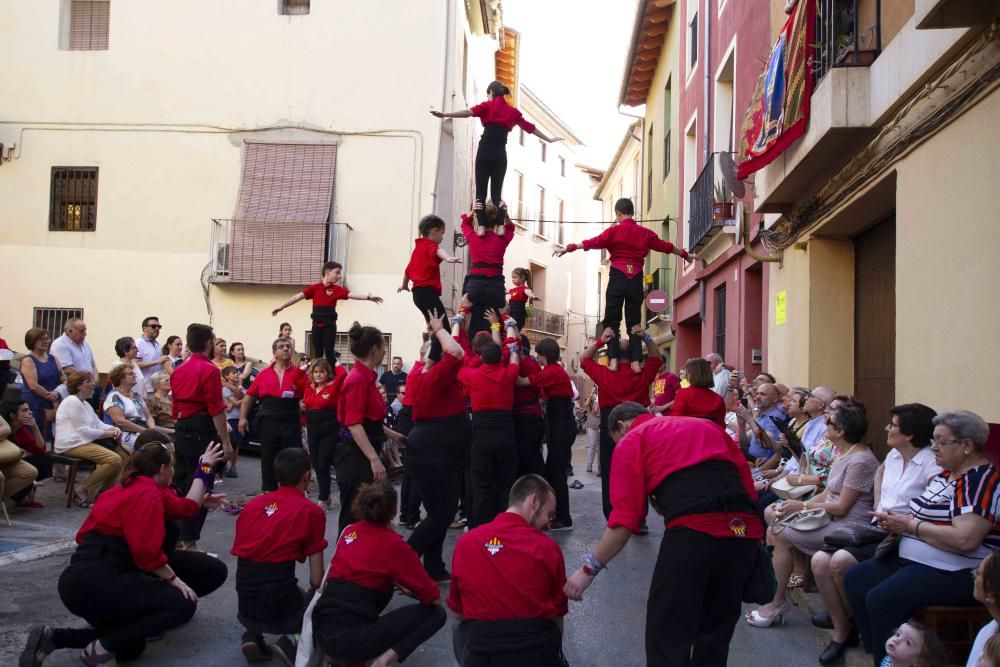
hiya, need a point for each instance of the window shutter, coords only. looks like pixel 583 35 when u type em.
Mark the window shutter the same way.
pixel 89 25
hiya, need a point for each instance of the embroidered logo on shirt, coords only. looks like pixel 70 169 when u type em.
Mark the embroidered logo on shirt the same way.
pixel 325 397
pixel 205 468
pixel 738 527
pixel 351 536
pixel 494 545
pixel 628 268
pixel 271 509
pixel 329 292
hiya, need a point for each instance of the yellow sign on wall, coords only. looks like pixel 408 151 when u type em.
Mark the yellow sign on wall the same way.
pixel 780 307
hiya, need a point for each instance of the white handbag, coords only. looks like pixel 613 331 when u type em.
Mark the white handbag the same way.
pixel 787 491
pixel 805 521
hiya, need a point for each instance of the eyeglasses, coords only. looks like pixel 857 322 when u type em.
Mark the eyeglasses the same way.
pixel 944 443
pixel 890 426
pixel 830 422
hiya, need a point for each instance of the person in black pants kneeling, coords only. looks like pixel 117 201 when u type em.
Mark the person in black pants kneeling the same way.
pixel 120 579
pixel 369 560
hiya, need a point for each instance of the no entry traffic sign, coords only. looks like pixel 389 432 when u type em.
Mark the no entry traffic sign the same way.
pixel 656 301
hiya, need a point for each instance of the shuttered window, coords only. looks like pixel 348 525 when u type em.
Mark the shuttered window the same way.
pixel 295 7
pixel 73 199
pixel 54 319
pixel 89 25
pixel 279 231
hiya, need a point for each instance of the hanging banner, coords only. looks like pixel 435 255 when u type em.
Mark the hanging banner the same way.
pixel 779 110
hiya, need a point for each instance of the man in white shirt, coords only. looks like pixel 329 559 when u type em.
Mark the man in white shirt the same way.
pixel 720 372
pixel 72 349
pixel 150 358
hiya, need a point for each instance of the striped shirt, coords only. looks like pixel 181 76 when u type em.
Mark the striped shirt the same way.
pixel 975 492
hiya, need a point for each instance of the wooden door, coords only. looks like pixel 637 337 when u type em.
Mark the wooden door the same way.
pixel 875 326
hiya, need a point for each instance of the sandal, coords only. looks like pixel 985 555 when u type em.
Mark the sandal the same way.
pixel 38 647
pixel 81 501
pixel 93 659
pixel 796 581
pixel 577 484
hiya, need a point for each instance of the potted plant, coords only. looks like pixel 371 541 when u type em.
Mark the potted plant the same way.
pixel 722 208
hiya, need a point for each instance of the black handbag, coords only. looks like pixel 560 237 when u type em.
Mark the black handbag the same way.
pixel 854 536
pixel 761 585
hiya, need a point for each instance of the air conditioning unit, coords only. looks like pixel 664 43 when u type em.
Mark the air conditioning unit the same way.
pixel 756 356
pixel 222 259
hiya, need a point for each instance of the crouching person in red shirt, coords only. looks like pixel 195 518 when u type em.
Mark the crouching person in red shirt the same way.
pixel 370 558
pixel 120 580
pixel 507 585
pixel 272 532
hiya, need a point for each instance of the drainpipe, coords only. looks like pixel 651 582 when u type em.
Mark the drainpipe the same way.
pixel 708 79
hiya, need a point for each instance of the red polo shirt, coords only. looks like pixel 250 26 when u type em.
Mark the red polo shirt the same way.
pixel 415 370
pixel 325 295
pixel 616 387
pixel 360 399
pixel 490 386
pixel 138 512
pixel 553 382
pixel 325 397
pixel 665 388
pixel 424 268
pixel 437 393
pixel 487 249
pixel 376 557
pixel 497 112
pixel 628 243
pixel 292 384
pixel 699 402
pixel 196 388
pixel 526 397
pixel 507 569
pixel 655 448
pixel 517 293
pixel 280 526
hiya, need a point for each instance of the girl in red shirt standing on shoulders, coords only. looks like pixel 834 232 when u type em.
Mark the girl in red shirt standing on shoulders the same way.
pixel 520 296
pixel 319 404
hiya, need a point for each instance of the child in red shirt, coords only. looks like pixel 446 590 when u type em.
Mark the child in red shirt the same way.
pixel 520 296
pixel 424 270
pixel 325 294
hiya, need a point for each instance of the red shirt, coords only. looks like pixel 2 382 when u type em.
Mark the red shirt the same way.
pixel 292 384
pixel 424 268
pixel 138 512
pixel 24 438
pixel 497 112
pixel 616 387
pixel 507 569
pixel 526 397
pixel 325 295
pixel 628 243
pixel 656 447
pixel 437 393
pixel 665 388
pixel 196 388
pixel 376 557
pixel 486 249
pixel 553 382
pixel 490 386
pixel 325 397
pixel 280 526
pixel 360 400
pixel 699 402
pixel 517 293
pixel 415 370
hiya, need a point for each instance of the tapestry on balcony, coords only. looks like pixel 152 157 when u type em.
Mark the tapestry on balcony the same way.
pixel 779 110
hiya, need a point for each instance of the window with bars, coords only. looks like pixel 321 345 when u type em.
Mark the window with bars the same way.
pixel 668 122
pixel 89 24
pixel 294 7
pixel 693 42
pixel 666 154
pixel 73 199
pixel 541 213
pixel 343 346
pixel 54 319
pixel 649 170
pixel 720 320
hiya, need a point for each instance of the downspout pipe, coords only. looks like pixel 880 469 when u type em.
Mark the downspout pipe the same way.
pixel 708 79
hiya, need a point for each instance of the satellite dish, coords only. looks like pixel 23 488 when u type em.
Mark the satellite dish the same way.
pixel 728 167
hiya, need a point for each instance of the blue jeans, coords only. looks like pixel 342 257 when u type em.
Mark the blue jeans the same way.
pixel 885 593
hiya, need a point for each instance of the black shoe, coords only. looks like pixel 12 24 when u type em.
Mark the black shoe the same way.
pixel 285 649
pixel 569 472
pixel 644 529
pixel 38 647
pixel 832 654
pixel 442 577
pixel 254 648
pixel 559 525
pixel 822 620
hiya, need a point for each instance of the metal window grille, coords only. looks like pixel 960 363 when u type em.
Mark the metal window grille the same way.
pixel 54 319
pixel 73 199
pixel 294 7
pixel 343 346
pixel 693 39
pixel 720 320
pixel 89 25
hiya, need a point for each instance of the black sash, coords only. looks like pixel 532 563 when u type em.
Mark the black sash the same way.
pixel 494 134
pixel 279 408
pixel 373 429
pixel 513 642
pixel 347 603
pixel 487 265
pixel 267 592
pixel 705 488
pixel 322 423
pixel 325 315
pixel 559 406
pixel 109 550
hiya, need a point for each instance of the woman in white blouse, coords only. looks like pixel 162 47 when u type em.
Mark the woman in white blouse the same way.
pixel 128 352
pixel 78 428
pixel 124 409
pixel 901 477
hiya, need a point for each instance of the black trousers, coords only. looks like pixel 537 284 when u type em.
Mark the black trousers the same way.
pixel 508 643
pixel 484 293
pixel 626 291
pixel 562 433
pixel 323 432
pixel 401 630
pixel 276 433
pixel 409 495
pixel 528 433
pixel 426 299
pixel 492 464
pixel 353 470
pixel 324 341
pixel 519 312
pixel 125 606
pixel 491 168
pixel 191 437
pixel 607 447
pixel 690 618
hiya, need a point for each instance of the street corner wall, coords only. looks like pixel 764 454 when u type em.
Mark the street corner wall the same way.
pixel 947 267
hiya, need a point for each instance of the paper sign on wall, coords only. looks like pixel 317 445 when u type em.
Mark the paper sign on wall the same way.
pixel 780 307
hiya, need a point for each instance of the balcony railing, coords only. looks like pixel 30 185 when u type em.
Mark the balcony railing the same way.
pixel 275 252
pixel 546 322
pixel 704 217
pixel 848 34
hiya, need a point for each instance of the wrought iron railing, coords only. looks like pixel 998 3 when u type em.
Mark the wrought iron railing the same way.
pixel 710 204
pixel 841 39
pixel 546 322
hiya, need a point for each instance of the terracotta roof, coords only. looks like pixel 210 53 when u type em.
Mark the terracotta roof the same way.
pixel 506 61
pixel 652 20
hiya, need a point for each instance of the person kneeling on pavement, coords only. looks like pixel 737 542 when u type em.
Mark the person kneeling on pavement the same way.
pixel 272 532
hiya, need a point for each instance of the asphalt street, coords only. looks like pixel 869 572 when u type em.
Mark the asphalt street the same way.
pixel 604 630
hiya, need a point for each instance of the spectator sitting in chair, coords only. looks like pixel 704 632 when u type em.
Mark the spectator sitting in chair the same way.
pixel 17 477
pixel 128 353
pixel 124 408
pixel 28 437
pixel 160 404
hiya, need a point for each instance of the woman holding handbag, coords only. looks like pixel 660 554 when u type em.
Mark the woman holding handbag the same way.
pixel 848 499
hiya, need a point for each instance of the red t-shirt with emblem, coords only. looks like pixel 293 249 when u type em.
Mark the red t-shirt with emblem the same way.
pixel 360 400
pixel 424 268
pixel 490 386
pixel 437 393
pixel 267 384
pixel 615 387
pixel 496 111
pixel 507 569
pixel 325 397
pixel 280 526
pixel 196 387
pixel 517 293
pixel 553 382
pixel 628 243
pixel 325 295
